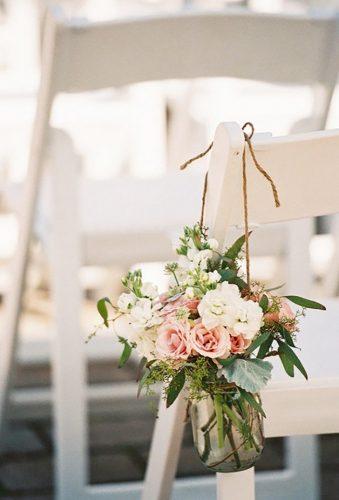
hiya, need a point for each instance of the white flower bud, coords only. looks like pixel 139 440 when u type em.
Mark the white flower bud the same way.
pixel 213 244
pixel 149 290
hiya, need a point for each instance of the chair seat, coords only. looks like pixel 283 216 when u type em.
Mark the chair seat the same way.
pixel 297 406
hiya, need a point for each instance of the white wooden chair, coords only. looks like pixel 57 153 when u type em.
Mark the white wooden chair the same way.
pixel 84 57
pixel 304 167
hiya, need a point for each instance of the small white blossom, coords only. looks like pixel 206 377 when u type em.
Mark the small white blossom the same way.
pixel 149 290
pixel 144 314
pixel 214 277
pixel 122 326
pixel 213 244
pixel 126 301
pixel 248 319
pixel 201 259
pixel 191 253
pixel 145 343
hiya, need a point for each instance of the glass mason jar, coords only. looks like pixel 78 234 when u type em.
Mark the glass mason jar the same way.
pixel 228 434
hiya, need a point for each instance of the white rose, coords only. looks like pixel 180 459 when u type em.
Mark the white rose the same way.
pixel 149 290
pixel 144 314
pixel 248 319
pixel 213 244
pixel 126 301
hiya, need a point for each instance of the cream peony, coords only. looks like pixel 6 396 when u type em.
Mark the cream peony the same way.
pixel 219 307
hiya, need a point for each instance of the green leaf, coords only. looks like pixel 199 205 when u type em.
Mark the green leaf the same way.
pixel 125 353
pixel 227 361
pixel 308 304
pixel 231 415
pixel 239 282
pixel 265 347
pixel 293 358
pixel 227 274
pixel 257 342
pixel 141 366
pixel 142 382
pixel 174 388
pixel 287 364
pixel 264 303
pixel 102 309
pixel 252 401
pixel 234 250
pixel 249 374
pixel 287 336
pixel 275 288
pixel 218 399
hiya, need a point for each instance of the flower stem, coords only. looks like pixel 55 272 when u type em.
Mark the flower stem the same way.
pixel 220 419
pixel 234 448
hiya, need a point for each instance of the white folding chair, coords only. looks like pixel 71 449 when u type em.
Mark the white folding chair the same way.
pixel 78 58
pixel 290 405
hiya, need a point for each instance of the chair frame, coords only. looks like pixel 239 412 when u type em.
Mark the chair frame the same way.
pixel 64 71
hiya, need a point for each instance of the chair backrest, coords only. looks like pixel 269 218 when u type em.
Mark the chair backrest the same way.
pixel 304 168
pixel 294 49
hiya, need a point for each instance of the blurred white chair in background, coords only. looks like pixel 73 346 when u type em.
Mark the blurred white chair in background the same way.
pixel 293 407
pixel 138 215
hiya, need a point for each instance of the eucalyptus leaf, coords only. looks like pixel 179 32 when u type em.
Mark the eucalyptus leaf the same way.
pixel 292 357
pixel 249 374
pixel 258 341
pixel 265 347
pixel 233 252
pixel 308 304
pixel 264 303
pixel 287 364
pixel 141 366
pixel 287 336
pixel 174 388
pixel 252 401
pixel 239 282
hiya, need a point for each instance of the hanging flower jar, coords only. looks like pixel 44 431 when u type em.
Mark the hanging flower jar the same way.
pixel 227 432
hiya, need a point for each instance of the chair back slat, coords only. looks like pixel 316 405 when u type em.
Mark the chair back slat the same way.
pixel 304 167
pixel 286 49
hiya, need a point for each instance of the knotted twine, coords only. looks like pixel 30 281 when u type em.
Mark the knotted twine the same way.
pixel 248 141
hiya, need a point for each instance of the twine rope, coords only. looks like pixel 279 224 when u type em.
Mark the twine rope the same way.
pixel 248 141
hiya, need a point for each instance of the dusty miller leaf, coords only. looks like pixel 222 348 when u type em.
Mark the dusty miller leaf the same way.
pixel 249 374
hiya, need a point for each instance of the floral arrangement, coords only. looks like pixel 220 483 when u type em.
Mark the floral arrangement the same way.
pixel 212 334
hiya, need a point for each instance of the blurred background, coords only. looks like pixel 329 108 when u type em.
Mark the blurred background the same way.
pixel 144 131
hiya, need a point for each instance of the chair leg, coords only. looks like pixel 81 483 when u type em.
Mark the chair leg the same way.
pixel 165 450
pixel 68 347
pixel 236 486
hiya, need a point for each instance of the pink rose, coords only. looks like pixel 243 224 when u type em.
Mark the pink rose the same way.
pixel 213 343
pixel 285 316
pixel 239 344
pixel 172 307
pixel 173 339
